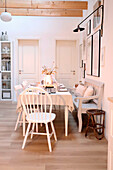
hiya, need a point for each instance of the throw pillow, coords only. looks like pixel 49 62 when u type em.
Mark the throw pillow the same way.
pixel 89 92
pixel 80 90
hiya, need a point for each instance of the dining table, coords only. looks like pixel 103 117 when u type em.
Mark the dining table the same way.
pixel 60 98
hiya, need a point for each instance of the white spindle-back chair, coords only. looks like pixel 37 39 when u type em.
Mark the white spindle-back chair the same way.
pixel 24 84
pixel 37 106
pixel 18 89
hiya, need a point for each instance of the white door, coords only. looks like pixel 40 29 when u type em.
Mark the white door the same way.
pixel 28 60
pixel 66 62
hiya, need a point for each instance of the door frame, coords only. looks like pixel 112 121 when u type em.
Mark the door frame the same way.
pixel 16 58
pixel 65 39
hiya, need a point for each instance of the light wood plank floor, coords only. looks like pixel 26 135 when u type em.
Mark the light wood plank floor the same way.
pixel 74 152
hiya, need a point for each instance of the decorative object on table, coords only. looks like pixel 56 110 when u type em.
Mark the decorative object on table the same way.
pixel 88 28
pixel 80 56
pixel 47 71
pixel 50 89
pixel 102 58
pixel 96 54
pixel 48 80
pixel 89 55
pixel 6 16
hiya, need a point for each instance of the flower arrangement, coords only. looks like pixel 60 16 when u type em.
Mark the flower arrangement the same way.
pixel 48 71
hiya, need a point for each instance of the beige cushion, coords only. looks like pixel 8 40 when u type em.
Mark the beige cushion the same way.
pixel 89 92
pixel 80 90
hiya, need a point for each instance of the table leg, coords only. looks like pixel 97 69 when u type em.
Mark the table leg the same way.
pixel 23 123
pixel 66 120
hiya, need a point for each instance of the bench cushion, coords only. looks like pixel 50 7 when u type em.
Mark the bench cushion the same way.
pixel 90 105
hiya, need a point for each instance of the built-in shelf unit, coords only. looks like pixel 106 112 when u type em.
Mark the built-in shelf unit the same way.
pixel 6 70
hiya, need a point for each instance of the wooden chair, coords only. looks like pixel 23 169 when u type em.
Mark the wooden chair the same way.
pixel 35 101
pixel 18 89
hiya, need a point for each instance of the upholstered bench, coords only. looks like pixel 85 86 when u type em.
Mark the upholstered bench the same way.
pixel 95 100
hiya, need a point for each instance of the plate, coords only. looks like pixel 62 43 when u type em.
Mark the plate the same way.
pixel 63 90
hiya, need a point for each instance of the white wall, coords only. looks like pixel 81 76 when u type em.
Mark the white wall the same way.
pixel 46 29
pixel 106 71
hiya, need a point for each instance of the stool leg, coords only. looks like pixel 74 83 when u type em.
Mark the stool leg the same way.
pixel 87 126
pixel 94 128
pixel 93 124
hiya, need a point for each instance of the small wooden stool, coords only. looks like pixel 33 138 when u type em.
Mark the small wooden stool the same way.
pixel 97 118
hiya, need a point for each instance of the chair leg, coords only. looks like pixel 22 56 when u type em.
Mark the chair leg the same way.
pixel 17 121
pixel 87 126
pixel 53 129
pixel 54 107
pixel 32 130
pixel 48 137
pixel 37 127
pixel 24 142
pixel 80 120
pixel 21 120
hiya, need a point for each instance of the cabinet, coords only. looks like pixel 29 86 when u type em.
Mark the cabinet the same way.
pixel 6 70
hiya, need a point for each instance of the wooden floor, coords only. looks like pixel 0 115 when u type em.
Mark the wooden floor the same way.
pixel 74 152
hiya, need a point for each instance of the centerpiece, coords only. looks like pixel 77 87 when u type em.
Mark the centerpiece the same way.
pixel 48 72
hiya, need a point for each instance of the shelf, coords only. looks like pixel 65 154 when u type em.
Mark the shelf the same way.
pixel 6 89
pixel 6 79
pixel 5 41
pixel 5 71
pixel 5 53
pixel 4 100
pixel 5 60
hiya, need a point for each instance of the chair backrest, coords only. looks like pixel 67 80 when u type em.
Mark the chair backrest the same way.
pixel 24 84
pixel 36 100
pixel 18 89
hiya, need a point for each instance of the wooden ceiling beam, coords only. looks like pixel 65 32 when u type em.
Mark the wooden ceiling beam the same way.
pixel 35 4
pixel 44 12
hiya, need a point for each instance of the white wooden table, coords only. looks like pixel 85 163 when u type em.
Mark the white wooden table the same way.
pixel 58 98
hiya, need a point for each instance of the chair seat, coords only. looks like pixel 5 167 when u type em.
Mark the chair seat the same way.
pixel 41 117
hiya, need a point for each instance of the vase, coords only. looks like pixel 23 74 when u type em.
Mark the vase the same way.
pixel 48 80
